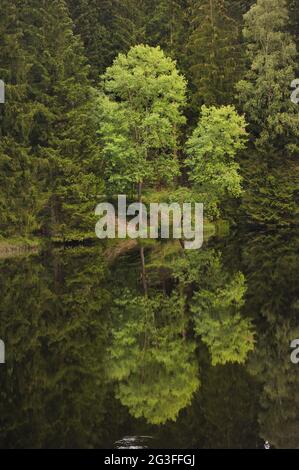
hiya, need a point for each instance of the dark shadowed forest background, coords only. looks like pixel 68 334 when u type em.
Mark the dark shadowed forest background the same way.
pixel 165 101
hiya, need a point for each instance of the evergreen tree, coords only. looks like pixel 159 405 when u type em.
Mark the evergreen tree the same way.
pixel 215 51
pixel 18 198
pixel 107 27
pixel 167 26
pixel 129 24
pixel 62 136
pixel 94 22
pixel 294 20
pixel 270 168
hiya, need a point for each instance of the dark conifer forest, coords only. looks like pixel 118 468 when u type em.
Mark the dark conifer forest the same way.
pixel 137 341
pixel 55 59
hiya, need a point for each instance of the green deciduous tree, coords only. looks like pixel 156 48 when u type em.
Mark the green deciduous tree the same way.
pixel 212 149
pixel 141 115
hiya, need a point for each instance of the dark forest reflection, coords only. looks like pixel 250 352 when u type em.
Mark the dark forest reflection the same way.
pixel 202 360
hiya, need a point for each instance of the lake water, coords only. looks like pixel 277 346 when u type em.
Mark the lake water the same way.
pixel 203 361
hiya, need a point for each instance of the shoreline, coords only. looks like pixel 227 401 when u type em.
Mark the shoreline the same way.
pixel 12 248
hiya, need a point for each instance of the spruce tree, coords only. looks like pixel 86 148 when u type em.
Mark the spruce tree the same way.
pixel 107 27
pixel 271 164
pixel 215 51
pixel 294 19
pixel 93 21
pixel 167 26
pixel 62 136
pixel 18 198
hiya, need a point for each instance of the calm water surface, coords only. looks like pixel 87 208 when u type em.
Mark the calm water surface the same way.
pixel 203 362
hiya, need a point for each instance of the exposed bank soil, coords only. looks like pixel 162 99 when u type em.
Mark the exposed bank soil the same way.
pixel 12 249
pixel 123 247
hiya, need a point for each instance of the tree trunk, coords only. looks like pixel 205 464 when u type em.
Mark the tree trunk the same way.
pixel 140 191
pixel 143 272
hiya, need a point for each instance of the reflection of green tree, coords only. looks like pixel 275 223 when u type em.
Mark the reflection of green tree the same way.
pixel 271 261
pixel 216 300
pixel 53 323
pixel 218 321
pixel 151 359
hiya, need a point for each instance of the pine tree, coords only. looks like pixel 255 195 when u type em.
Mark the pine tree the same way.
pixel 167 26
pixel 93 21
pixel 294 20
pixel 215 51
pixel 18 198
pixel 129 24
pixel 62 136
pixel 270 167
pixel 107 27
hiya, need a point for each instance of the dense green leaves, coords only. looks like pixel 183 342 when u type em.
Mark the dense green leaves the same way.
pixel 141 113
pixel 212 151
pixel 153 363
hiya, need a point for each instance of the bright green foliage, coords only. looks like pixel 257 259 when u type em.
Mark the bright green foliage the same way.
pixel 141 113
pixel 271 168
pixel 219 323
pixel 212 151
pixel 215 298
pixel 152 362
